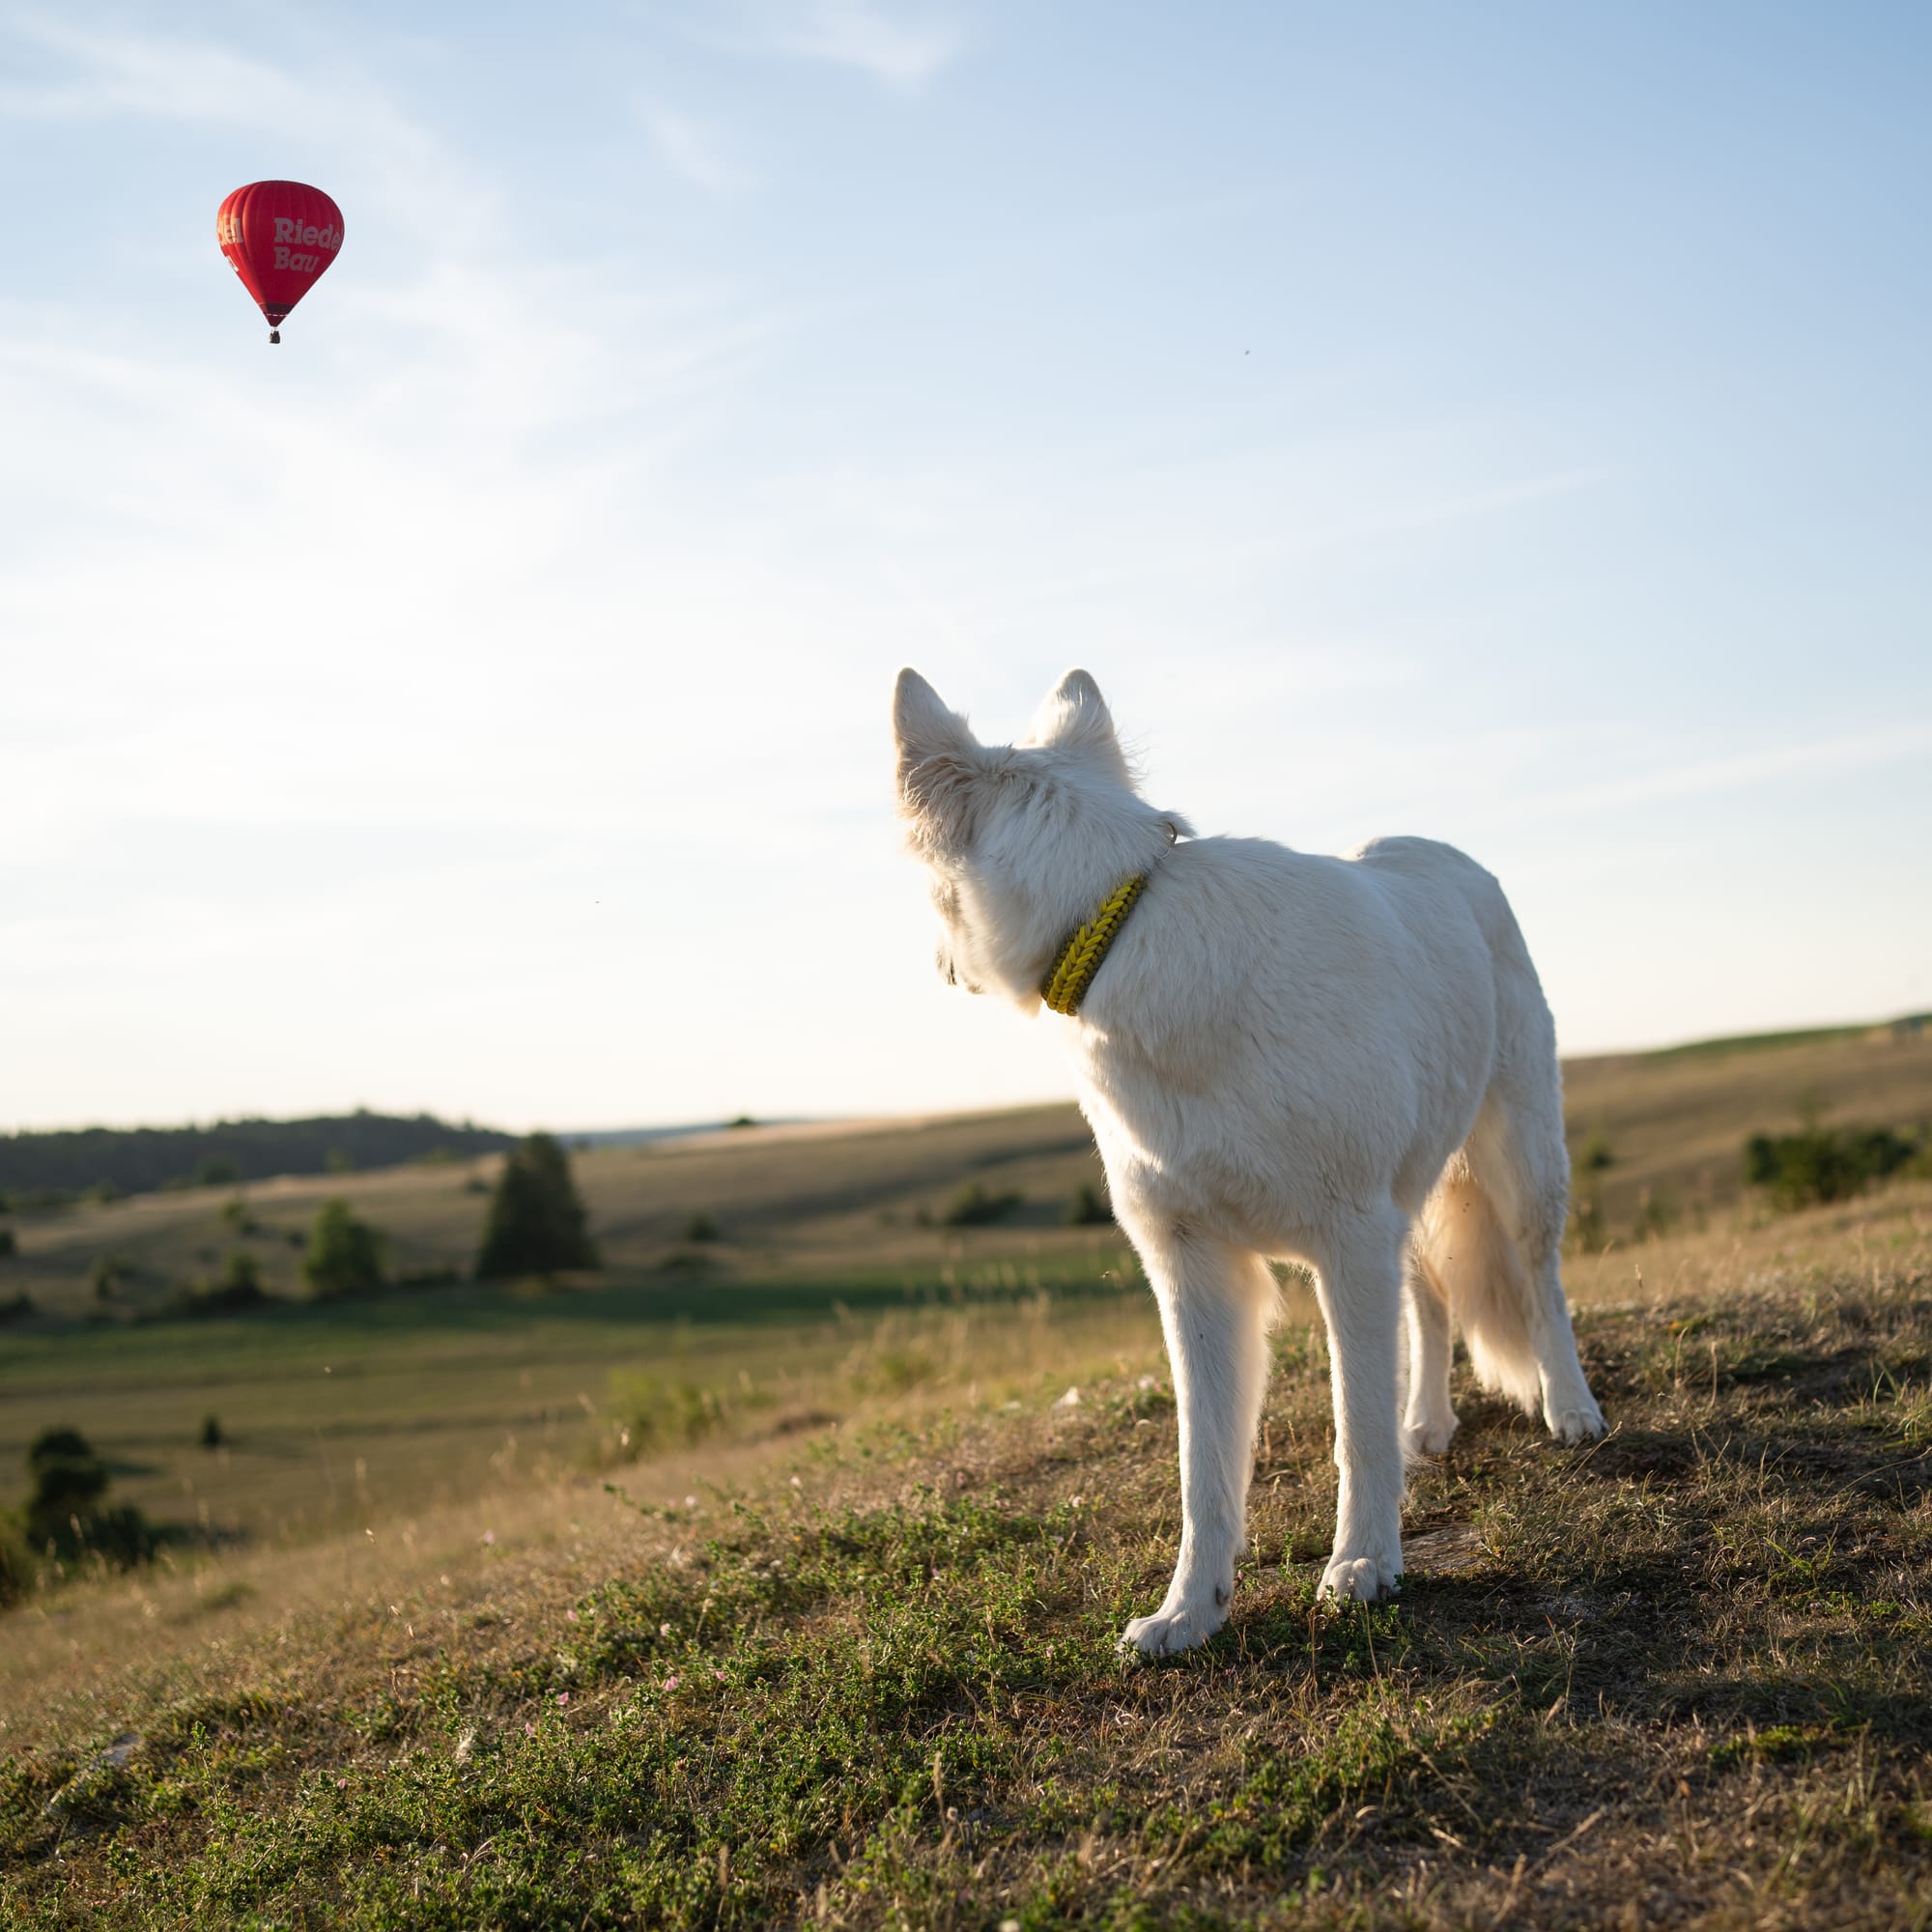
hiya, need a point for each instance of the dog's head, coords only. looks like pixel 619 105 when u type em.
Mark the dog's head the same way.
pixel 1022 842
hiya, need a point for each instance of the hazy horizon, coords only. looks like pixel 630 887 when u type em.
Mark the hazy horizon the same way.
pixel 618 1130
pixel 1508 429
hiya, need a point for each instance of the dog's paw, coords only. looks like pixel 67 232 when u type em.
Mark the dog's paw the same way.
pixel 1575 1419
pixel 1361 1580
pixel 1427 1437
pixel 1168 1631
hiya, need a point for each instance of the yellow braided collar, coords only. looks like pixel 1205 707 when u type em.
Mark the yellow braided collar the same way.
pixel 1081 956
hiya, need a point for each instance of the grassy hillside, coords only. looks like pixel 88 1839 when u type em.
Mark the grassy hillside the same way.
pixel 866 1676
pixel 812 1201
pixel 1675 1120
pixel 357 1416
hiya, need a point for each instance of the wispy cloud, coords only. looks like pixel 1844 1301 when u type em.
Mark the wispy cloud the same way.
pixel 694 151
pixel 122 73
pixel 899 47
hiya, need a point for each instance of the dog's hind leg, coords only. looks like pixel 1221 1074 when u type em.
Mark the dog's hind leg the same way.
pixel 1216 1305
pixel 1359 1282
pixel 1428 1417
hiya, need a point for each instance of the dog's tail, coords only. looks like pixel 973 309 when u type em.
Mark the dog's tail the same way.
pixel 1466 1255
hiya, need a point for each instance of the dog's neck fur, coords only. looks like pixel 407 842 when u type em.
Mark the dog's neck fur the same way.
pixel 1024 900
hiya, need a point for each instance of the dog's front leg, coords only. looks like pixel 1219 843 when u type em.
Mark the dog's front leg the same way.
pixel 1216 1302
pixel 1359 1282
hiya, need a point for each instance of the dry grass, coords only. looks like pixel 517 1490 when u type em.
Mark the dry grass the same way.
pixel 1679 1678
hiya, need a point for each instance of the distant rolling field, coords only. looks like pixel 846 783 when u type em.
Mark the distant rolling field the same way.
pixel 827 1200
pixel 831 1283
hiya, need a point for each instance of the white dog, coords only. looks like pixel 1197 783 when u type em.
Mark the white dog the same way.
pixel 1346 1061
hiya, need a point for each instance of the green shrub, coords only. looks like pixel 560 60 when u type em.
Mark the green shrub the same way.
pixel 67 1513
pixel 17 1307
pixel 1088 1208
pixel 345 1255
pixel 701 1227
pixel 234 1290
pixel 68 1480
pixel 973 1207
pixel 214 1170
pixel 211 1437
pixel 1594 1154
pixel 536 1221
pixel 36 1200
pixel 654 1415
pixel 1820 1164
pixel 9 1243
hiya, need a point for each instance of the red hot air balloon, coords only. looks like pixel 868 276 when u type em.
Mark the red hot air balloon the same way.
pixel 281 236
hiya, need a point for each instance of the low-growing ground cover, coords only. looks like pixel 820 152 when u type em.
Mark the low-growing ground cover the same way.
pixel 1681 1677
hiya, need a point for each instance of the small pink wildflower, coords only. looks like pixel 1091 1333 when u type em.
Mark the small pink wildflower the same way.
pixel 663 1630
pixel 571 1614
pixel 717 1673
pixel 529 1730
pixel 563 1696
pixel 671 1683
pixel 342 1784
pixel 691 1502
pixel 489 1536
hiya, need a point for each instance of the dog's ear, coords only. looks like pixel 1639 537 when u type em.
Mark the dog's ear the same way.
pixel 938 759
pixel 1075 717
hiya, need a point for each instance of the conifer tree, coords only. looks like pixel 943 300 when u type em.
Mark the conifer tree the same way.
pixel 536 1221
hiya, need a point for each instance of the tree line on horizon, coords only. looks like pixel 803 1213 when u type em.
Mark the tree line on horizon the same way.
pixel 45 1169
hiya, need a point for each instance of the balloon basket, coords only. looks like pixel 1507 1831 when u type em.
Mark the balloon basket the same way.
pixel 274 335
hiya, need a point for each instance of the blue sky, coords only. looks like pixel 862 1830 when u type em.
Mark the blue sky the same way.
pixel 1507 424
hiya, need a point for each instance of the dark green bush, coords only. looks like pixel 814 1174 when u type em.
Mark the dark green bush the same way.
pixel 9 1243
pixel 1088 1208
pixel 345 1255
pixel 234 1290
pixel 68 1480
pixel 36 1200
pixel 973 1207
pixel 65 1514
pixel 536 1221
pixel 1820 1164
pixel 1594 1155
pixel 701 1227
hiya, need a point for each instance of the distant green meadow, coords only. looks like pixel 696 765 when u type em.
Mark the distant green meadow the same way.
pixel 335 1413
